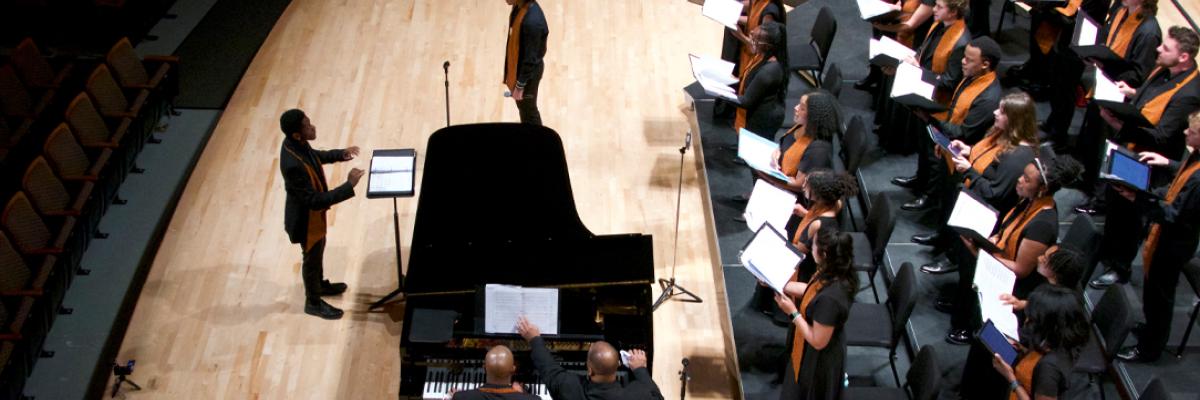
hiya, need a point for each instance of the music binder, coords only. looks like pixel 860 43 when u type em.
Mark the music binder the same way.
pixel 974 219
pixel 911 88
pixel 993 279
pixel 757 151
pixel 876 10
pixel 887 52
pixel 1087 44
pixel 996 343
pixel 768 204
pixel 392 173
pixel 1108 96
pixel 770 257
pixel 715 76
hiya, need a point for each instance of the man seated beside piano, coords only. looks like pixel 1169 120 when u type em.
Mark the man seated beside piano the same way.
pixel 499 366
pixel 601 382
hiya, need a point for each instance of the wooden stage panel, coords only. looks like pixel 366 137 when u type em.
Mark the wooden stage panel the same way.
pixel 221 314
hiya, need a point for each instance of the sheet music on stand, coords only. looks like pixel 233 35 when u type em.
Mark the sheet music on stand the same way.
pixel 505 304
pixel 993 279
pixel 911 89
pixel 757 151
pixel 887 52
pixel 715 76
pixel 768 205
pixel 770 257
pixel 725 12
pixel 392 173
pixel 974 219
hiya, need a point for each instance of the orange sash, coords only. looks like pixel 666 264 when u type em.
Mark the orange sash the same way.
pixel 753 20
pixel 498 390
pixel 1154 108
pixel 983 154
pixel 791 158
pixel 1119 43
pixel 1156 229
pixel 798 343
pixel 1011 235
pixel 514 47
pixel 945 46
pixel 907 9
pixel 960 103
pixel 316 218
pixel 1047 32
pixel 1024 372
pixel 813 213
pixel 739 121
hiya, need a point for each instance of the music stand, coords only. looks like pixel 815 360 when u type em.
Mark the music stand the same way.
pixel 669 288
pixel 392 175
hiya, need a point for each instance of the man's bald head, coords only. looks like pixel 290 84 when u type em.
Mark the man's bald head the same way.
pixel 603 361
pixel 499 365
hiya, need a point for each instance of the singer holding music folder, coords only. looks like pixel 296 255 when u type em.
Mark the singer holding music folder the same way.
pixel 601 382
pixel 1050 32
pixel 1055 330
pixel 736 44
pixel 526 47
pixel 1174 218
pixel 763 83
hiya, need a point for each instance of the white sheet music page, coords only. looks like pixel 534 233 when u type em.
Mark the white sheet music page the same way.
pixel 714 75
pixel 1087 32
pixel 889 47
pixel 769 258
pixel 993 279
pixel 971 214
pixel 768 204
pixel 908 81
pixel 505 304
pixel 757 151
pixel 391 174
pixel 1106 89
pixel 726 12
pixel 872 8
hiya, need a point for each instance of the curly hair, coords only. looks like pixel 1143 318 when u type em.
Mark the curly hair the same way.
pixel 837 258
pixel 1055 320
pixel 827 187
pixel 1067 265
pixel 824 115
pixel 1057 172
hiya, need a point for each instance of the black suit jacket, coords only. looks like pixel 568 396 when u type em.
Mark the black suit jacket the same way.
pixel 534 31
pixel 307 197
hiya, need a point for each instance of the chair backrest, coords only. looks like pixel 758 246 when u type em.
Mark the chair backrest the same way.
pixel 1155 391
pixel 1114 318
pixel 823 31
pixel 126 65
pixel 832 81
pixel 28 230
pixel 34 70
pixel 14 274
pixel 924 377
pixel 86 122
pixel 44 188
pixel 902 298
pixel 880 224
pixel 1191 272
pixel 14 97
pixel 854 144
pixel 1084 238
pixel 64 152
pixel 102 87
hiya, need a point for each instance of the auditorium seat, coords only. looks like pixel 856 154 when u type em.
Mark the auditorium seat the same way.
pixel 68 158
pixel 48 193
pixel 18 106
pixel 132 72
pixel 110 101
pixel 869 245
pixel 35 71
pixel 1084 238
pixel 90 127
pixel 17 280
pixel 832 82
pixel 923 382
pixel 29 232
pixel 883 325
pixel 811 56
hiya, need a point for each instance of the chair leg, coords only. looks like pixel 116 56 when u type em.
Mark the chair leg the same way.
pixel 1099 384
pixel 871 276
pixel 1188 333
pixel 892 361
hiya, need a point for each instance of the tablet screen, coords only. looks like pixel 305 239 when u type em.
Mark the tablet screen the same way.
pixel 1130 170
pixel 941 140
pixel 997 343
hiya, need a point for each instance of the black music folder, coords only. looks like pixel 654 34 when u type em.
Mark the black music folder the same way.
pixel 912 88
pixel 392 173
pixel 941 140
pixel 974 219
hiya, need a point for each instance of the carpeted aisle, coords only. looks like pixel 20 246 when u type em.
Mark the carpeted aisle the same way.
pixel 221 47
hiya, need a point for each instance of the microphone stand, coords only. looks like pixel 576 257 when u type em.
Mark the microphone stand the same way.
pixel 684 377
pixel 669 288
pixel 446 71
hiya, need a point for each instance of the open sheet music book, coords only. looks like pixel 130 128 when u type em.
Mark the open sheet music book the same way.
pixel 1107 95
pixel 770 257
pixel 757 151
pixel 392 173
pixel 887 52
pixel 874 10
pixel 505 304
pixel 911 89
pixel 769 204
pixel 993 279
pixel 1106 89
pixel 974 219
pixel 715 76
pixel 726 12
pixel 1086 30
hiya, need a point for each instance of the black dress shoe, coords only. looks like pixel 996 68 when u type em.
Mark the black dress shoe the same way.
pixel 905 181
pixel 1106 280
pixel 939 267
pixel 320 308
pixel 944 305
pixel 928 239
pixel 958 337
pixel 332 289
pixel 922 202
pixel 1131 354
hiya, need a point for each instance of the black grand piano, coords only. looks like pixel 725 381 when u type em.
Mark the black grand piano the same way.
pixel 495 206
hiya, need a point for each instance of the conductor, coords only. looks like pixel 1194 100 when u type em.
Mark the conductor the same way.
pixel 308 198
pixel 602 363
pixel 499 366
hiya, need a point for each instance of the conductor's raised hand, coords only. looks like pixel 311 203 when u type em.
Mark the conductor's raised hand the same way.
pixel 527 329
pixel 354 176
pixel 637 359
pixel 350 153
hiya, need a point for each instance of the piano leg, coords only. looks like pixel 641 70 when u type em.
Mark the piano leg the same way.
pixel 399 264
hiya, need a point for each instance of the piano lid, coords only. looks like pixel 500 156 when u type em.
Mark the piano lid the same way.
pixel 495 206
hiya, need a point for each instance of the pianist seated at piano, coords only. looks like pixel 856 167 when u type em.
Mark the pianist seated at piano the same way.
pixel 601 382
pixel 499 367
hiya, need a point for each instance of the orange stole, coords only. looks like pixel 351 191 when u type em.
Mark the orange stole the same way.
pixel 739 121
pixel 1156 229
pixel 1047 33
pixel 960 103
pixel 316 219
pixel 812 215
pixel 1154 108
pixel 798 343
pixel 983 154
pixel 793 155
pixel 1011 235
pixel 1119 43
pixel 753 20
pixel 513 53
pixel 945 46
pixel 498 390
pixel 907 8
pixel 1024 372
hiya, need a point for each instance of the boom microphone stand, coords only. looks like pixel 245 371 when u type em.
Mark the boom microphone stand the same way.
pixel 669 287
pixel 446 70
pixel 684 377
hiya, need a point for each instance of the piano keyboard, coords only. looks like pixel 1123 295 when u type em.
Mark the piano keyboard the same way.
pixel 441 381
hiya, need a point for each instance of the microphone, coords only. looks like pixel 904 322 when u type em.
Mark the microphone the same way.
pixel 446 66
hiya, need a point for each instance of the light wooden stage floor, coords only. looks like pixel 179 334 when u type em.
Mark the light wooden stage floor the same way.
pixel 221 314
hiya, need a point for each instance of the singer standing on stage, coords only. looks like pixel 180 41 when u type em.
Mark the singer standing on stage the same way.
pixel 523 65
pixel 308 198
